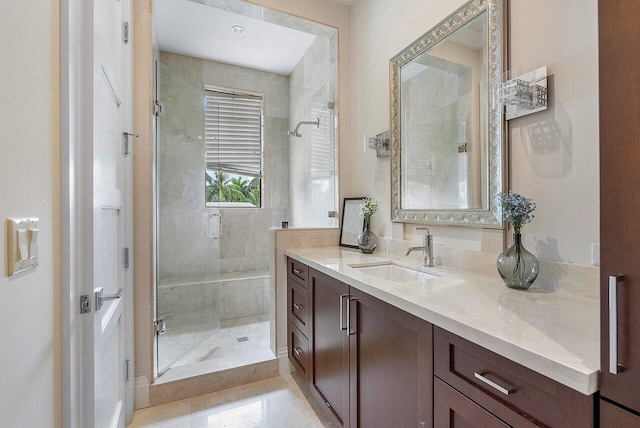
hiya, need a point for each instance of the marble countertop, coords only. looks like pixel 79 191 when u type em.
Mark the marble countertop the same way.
pixel 554 333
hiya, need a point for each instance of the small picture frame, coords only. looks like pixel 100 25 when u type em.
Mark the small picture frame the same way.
pixel 352 223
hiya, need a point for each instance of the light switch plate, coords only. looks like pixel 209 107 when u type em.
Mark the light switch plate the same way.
pixel 22 244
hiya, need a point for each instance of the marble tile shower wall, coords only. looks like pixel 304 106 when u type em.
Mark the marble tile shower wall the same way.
pixel 312 170
pixel 183 248
pixel 207 303
pixel 245 232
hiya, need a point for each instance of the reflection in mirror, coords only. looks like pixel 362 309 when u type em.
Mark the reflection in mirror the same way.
pixel 447 139
pixel 444 144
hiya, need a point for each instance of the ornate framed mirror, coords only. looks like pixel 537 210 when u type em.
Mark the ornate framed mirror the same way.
pixel 448 150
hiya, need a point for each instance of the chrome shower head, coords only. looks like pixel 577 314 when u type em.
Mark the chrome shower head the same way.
pixel 295 133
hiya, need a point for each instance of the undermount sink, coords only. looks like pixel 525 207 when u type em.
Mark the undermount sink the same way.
pixel 394 272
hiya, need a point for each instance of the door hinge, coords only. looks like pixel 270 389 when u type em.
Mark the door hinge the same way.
pixel 85 304
pixel 158 108
pixel 126 258
pixel 125 32
pixel 160 326
pixel 126 370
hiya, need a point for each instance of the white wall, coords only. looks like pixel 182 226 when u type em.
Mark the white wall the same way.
pixel 29 172
pixel 560 173
pixel 143 217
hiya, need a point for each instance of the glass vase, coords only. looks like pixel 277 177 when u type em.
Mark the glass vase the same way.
pixel 517 267
pixel 367 240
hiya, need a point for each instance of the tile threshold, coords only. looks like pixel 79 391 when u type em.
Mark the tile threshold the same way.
pixel 170 390
pixel 202 368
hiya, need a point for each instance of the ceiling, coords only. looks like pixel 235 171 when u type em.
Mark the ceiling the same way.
pixel 189 28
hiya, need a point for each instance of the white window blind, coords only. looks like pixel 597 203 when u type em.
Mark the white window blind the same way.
pixel 233 133
pixel 322 145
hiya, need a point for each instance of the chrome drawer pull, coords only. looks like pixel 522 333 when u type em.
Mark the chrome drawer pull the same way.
pixel 614 280
pixel 297 271
pixel 505 391
pixel 297 351
pixel 297 306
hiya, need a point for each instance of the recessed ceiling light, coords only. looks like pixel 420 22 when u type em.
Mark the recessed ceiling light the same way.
pixel 238 29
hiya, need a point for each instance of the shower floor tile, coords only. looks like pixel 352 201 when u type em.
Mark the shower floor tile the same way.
pixel 222 350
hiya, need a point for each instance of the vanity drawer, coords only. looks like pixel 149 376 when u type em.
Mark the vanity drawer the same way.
pixel 297 271
pixel 298 350
pixel 297 303
pixel 452 409
pixel 499 384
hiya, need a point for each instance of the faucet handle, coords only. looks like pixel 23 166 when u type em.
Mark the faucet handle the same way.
pixel 423 228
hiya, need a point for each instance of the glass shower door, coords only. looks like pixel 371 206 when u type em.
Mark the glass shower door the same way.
pixel 187 231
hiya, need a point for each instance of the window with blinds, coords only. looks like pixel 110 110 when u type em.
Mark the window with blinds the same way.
pixel 233 147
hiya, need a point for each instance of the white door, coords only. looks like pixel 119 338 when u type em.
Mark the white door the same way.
pixel 112 210
pixel 96 213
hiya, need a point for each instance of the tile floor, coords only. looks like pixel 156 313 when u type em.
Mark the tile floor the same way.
pixel 278 402
pixel 221 350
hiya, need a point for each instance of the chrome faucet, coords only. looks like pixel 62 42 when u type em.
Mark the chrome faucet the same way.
pixel 427 248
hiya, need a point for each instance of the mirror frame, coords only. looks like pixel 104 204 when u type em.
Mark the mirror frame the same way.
pixel 491 216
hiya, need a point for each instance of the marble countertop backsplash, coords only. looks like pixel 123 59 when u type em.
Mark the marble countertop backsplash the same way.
pixel 553 328
pixel 553 276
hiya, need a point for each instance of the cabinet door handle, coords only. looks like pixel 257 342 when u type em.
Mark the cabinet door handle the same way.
pixel 297 306
pixel 349 332
pixel 342 326
pixel 614 280
pixel 297 271
pixel 297 351
pixel 502 389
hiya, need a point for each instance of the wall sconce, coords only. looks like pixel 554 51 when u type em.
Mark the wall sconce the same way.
pixel 381 144
pixel 525 94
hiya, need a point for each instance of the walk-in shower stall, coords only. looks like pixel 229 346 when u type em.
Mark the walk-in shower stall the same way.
pixel 227 171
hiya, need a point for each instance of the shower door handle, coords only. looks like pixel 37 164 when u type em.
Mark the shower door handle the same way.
pixel 209 234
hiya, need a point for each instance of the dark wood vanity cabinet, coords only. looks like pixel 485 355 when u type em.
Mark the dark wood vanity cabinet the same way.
pixel 619 62
pixel 329 375
pixel 612 416
pixel 514 394
pixel 454 410
pixel 370 363
pixel 298 317
pixel 391 365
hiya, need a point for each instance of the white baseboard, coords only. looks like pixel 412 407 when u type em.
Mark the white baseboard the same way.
pixel 141 392
pixel 284 365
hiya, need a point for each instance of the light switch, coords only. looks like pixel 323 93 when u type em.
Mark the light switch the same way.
pixel 33 242
pixel 22 244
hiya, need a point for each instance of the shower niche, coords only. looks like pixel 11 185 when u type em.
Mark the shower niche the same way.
pixel 224 179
